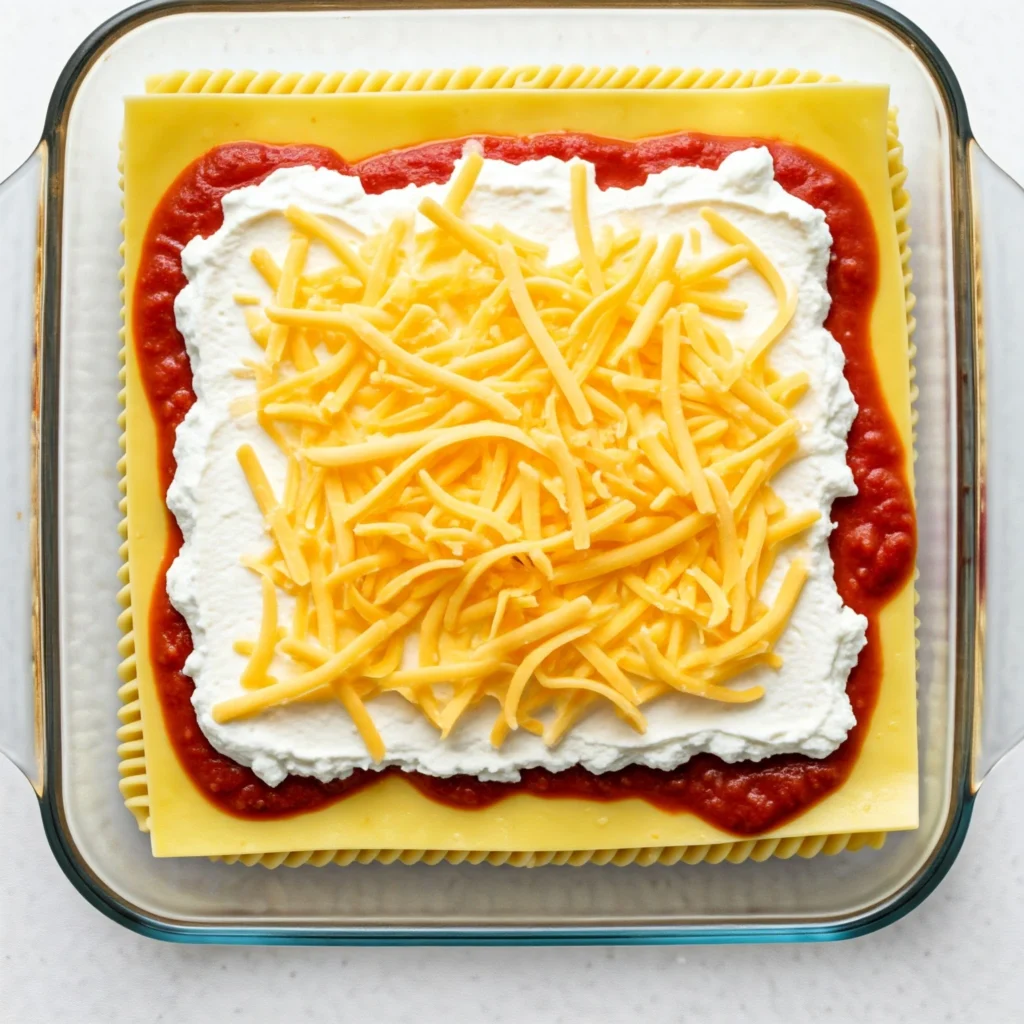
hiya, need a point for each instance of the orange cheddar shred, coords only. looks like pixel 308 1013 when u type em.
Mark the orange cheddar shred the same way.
pixel 557 477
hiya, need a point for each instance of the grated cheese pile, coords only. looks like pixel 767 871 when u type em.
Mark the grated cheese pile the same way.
pixel 557 478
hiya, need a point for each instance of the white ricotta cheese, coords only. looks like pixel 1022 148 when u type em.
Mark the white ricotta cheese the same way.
pixel 805 709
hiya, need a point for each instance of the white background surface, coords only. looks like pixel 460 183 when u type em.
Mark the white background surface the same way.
pixel 956 958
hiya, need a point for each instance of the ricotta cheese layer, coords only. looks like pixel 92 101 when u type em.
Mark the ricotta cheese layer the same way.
pixel 804 710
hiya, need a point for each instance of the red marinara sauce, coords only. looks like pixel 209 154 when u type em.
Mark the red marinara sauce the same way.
pixel 872 547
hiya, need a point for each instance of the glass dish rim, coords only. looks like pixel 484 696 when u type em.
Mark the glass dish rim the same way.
pixel 109 902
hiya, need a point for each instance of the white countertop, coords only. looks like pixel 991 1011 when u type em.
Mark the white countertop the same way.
pixel 955 958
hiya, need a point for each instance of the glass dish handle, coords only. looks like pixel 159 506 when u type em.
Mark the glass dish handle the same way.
pixel 999 226
pixel 20 713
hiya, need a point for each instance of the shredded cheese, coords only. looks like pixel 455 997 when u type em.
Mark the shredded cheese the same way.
pixel 672 410
pixel 785 297
pixel 462 184
pixel 287 287
pixel 581 225
pixel 557 476
pixel 316 227
pixel 255 672
pixel 540 336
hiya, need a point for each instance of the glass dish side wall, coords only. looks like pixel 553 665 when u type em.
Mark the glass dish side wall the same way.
pixel 89 828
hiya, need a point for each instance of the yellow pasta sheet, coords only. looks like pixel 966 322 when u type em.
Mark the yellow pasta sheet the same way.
pixel 846 124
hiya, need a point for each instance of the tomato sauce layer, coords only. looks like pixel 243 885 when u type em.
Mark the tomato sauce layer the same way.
pixel 872 547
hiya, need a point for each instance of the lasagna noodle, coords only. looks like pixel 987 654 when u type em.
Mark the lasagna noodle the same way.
pixel 136 768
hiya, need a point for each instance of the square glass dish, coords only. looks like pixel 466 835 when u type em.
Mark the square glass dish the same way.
pixel 60 215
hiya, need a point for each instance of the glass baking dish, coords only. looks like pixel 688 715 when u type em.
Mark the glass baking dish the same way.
pixel 59 237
